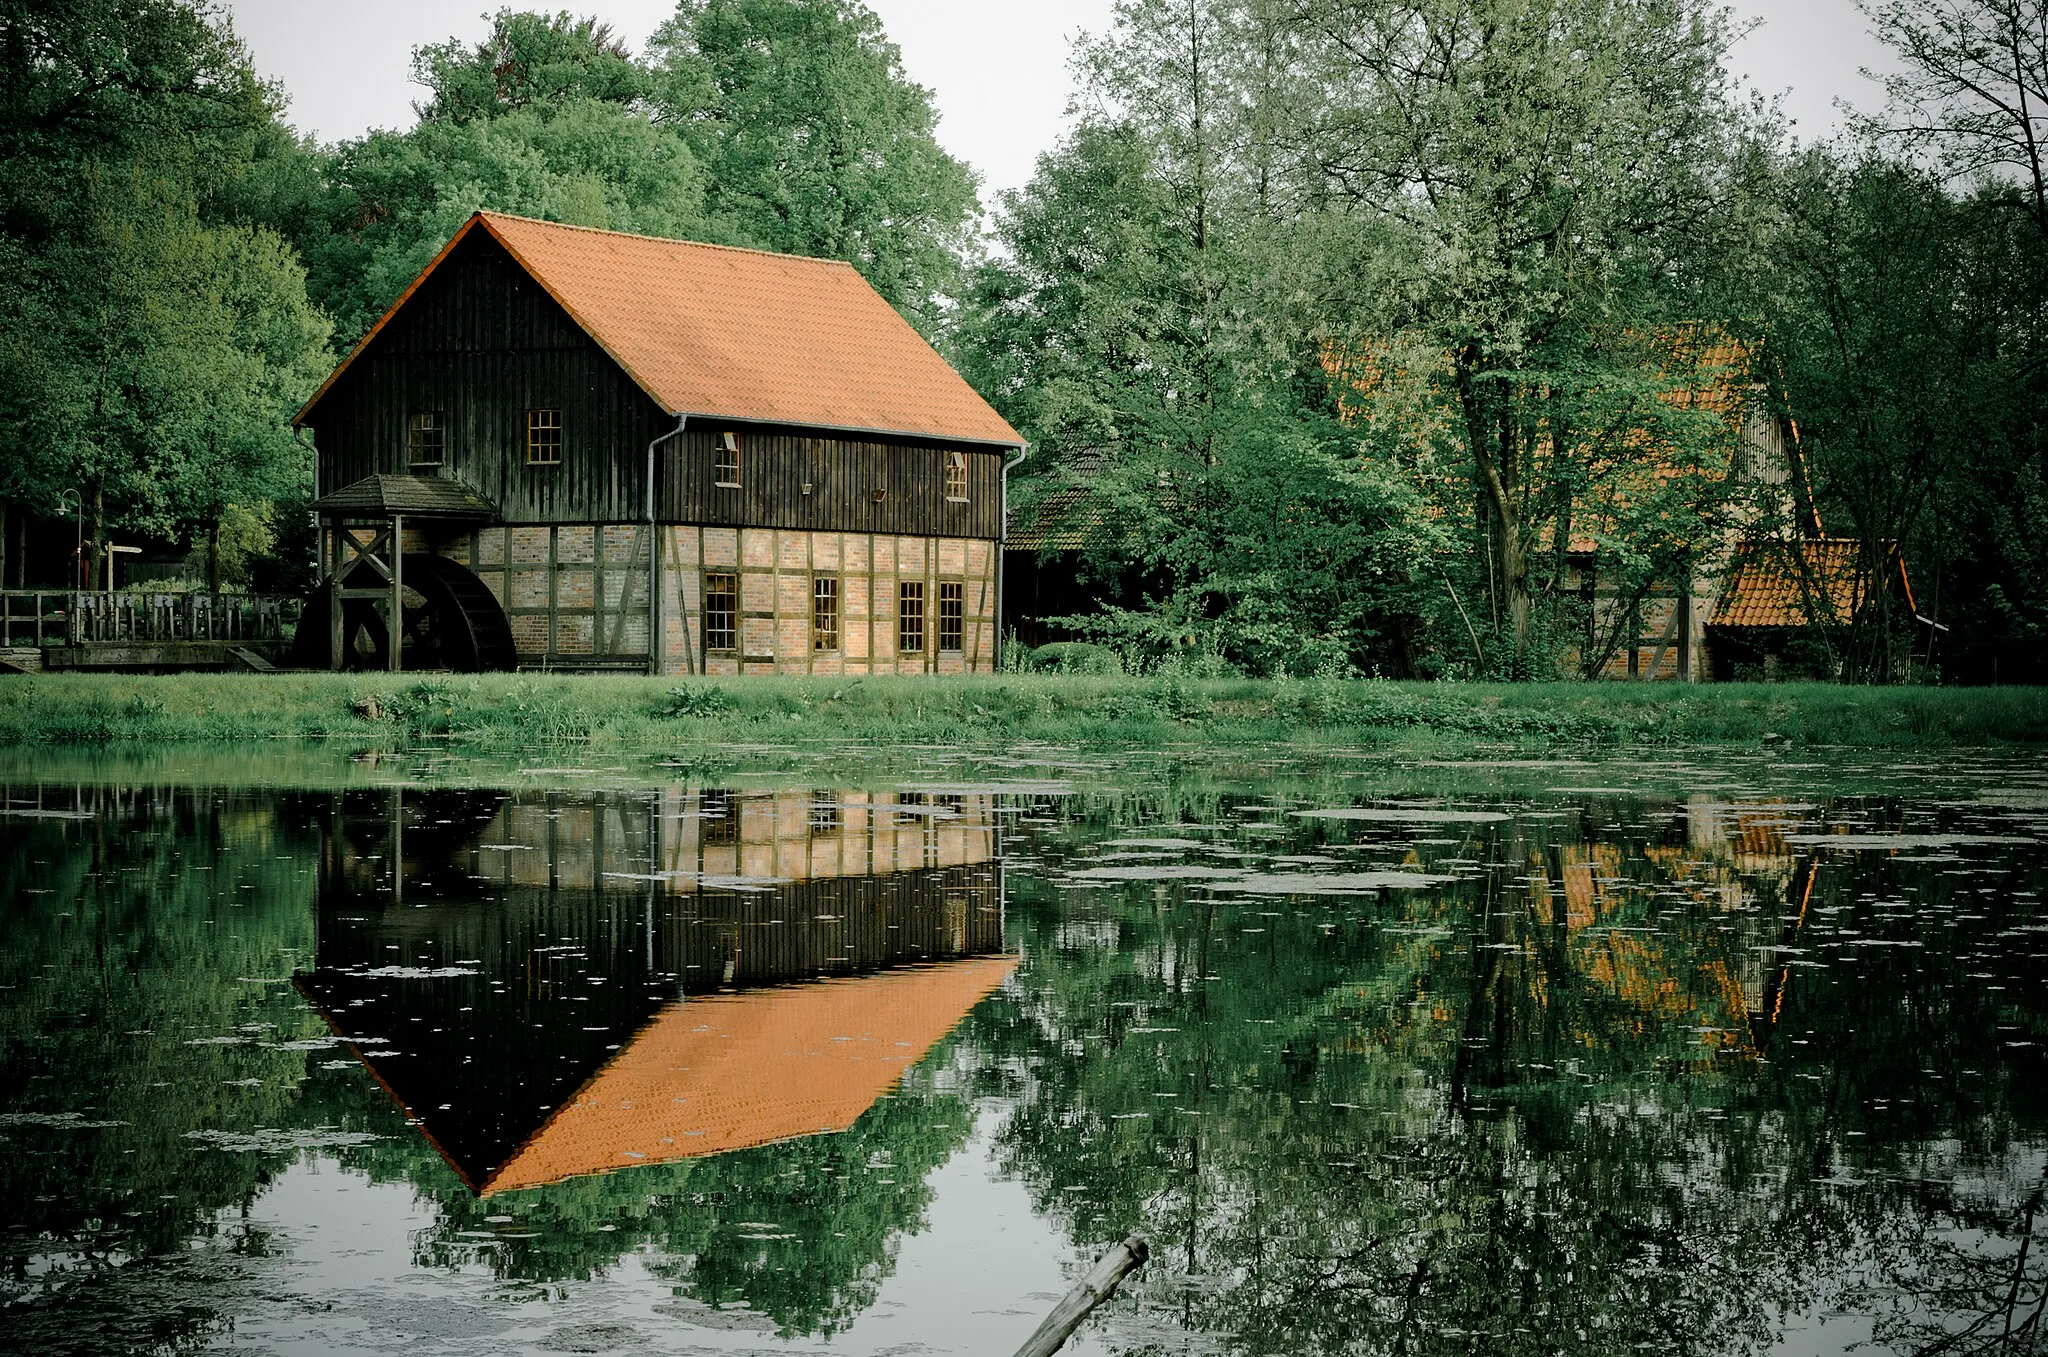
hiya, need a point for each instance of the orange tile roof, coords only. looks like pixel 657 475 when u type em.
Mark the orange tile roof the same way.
pixel 743 334
pixel 728 1071
pixel 1069 516
pixel 1795 584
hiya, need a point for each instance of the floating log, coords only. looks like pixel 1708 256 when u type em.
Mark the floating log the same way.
pixel 1092 1290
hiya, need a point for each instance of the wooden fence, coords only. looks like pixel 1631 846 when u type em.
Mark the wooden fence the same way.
pixel 37 617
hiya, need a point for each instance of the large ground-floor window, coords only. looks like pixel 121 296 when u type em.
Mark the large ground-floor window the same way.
pixel 825 612
pixel 910 618
pixel 950 615
pixel 721 612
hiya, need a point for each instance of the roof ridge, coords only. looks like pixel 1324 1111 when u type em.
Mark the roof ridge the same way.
pixel 663 240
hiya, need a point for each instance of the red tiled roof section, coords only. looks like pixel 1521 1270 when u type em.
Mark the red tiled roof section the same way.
pixel 1068 516
pixel 729 1071
pixel 1773 587
pixel 710 330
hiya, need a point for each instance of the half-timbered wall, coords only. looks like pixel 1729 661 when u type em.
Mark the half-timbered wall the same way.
pixel 777 574
pixel 576 596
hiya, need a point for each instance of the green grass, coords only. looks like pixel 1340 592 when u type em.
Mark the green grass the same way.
pixel 508 713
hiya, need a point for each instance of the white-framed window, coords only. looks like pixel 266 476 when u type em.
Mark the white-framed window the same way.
pixel 725 461
pixel 952 614
pixel 910 618
pixel 721 611
pixel 825 612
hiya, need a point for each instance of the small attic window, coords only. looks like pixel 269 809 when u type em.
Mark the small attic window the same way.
pixel 426 439
pixel 725 460
pixel 956 477
pixel 543 437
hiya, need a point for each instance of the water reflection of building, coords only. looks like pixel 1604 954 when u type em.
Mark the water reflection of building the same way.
pixel 555 983
pixel 1683 925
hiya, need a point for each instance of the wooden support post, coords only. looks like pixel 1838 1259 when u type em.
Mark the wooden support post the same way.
pixel 336 636
pixel 396 631
pixel 1092 1290
pixel 1685 620
pixel 1664 642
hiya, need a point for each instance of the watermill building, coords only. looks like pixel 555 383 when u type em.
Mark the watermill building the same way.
pixel 568 448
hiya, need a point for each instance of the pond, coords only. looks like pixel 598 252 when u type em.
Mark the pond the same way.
pixel 1720 1054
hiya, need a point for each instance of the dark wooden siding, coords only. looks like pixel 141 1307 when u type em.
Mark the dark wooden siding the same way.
pixel 843 475
pixel 482 342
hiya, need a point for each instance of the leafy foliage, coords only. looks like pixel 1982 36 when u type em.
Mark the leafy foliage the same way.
pixel 154 339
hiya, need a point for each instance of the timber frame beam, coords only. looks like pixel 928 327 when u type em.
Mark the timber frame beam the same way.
pixel 384 555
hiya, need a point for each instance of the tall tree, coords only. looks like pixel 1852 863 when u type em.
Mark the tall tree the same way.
pixel 780 124
pixel 547 116
pixel 1559 169
pixel 1918 338
pixel 151 343
pixel 1972 93
pixel 815 141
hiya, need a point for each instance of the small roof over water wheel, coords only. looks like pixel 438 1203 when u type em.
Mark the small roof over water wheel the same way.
pixel 423 497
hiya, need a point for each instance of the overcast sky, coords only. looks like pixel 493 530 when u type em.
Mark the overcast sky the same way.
pixel 997 67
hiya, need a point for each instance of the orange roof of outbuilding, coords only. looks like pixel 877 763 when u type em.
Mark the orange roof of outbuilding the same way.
pixel 1800 583
pixel 722 332
pixel 730 1071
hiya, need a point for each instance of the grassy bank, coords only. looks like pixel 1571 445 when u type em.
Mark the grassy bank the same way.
pixel 509 713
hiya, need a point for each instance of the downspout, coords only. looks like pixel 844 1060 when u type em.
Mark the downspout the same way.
pixel 319 534
pixel 1002 547
pixel 654 557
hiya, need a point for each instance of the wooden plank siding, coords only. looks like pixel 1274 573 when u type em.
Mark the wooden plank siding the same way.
pixel 843 476
pixel 482 342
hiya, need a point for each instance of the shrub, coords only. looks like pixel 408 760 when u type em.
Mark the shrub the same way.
pixel 695 700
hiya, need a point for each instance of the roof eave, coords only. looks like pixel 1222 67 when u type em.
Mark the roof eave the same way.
pixel 915 435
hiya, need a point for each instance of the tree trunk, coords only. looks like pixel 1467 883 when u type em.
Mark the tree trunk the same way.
pixel 1498 475
pixel 213 557
pixel 92 541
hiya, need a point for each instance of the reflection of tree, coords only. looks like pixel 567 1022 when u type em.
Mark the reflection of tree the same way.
pixel 1558 1104
pixel 805 1232
pixel 1964 1273
pixel 136 1014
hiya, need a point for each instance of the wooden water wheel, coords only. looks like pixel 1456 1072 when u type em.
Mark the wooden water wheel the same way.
pixel 450 622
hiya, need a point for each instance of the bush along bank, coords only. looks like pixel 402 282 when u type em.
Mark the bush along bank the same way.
pixel 506 712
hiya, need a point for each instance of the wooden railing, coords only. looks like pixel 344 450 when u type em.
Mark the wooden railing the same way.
pixel 63 617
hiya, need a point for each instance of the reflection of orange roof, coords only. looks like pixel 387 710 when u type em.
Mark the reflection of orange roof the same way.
pixel 711 330
pixel 1795 584
pixel 732 1070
